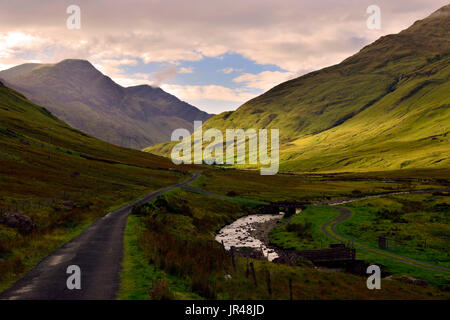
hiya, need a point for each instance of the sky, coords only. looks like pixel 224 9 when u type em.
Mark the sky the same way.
pixel 214 54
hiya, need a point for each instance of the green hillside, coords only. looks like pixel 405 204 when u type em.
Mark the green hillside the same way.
pixel 62 179
pixel 386 107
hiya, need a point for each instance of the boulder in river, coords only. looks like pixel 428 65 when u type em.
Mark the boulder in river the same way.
pixel 19 221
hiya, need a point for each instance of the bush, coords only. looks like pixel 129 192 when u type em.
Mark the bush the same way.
pixel 160 290
pixel 11 265
pixel 203 286
pixel 232 193
pixel 142 209
pixel 303 229
pixel 442 207
pixel 177 207
pixel 386 214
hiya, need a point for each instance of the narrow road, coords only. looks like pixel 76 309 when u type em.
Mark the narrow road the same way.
pixel 97 251
pixel 329 228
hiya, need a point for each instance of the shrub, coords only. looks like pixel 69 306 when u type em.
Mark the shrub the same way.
pixel 232 193
pixel 302 229
pixel 181 254
pixel 203 286
pixel 177 207
pixel 142 209
pixel 386 214
pixel 14 264
pixel 442 207
pixel 160 290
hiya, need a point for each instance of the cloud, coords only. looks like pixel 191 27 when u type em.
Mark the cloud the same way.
pixel 132 80
pixel 264 80
pixel 291 34
pixel 161 76
pixel 112 67
pixel 229 70
pixel 186 70
pixel 14 43
pixel 120 62
pixel 211 92
pixel 296 36
pixel 6 66
pixel 169 73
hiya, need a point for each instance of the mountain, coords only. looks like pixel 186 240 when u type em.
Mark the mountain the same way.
pixel 40 156
pixel 76 92
pixel 57 180
pixel 386 107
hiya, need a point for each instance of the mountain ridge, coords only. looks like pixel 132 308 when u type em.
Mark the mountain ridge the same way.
pixel 320 114
pixel 75 91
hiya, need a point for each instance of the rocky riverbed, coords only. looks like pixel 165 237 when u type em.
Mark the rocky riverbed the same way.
pixel 251 232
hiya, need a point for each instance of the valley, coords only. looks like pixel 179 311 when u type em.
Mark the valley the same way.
pixel 169 246
pixel 63 180
pixel 385 108
pixel 362 178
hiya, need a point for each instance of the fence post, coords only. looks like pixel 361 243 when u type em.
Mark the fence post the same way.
pixel 382 242
pixel 290 289
pixel 232 257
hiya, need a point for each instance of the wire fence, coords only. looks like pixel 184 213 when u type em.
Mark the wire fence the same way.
pixel 389 243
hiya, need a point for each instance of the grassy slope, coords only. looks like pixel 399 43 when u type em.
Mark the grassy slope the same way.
pixel 44 162
pixel 406 128
pixel 410 219
pixel 387 107
pixel 194 265
pixel 419 224
pixel 286 236
pixel 138 275
pixel 316 187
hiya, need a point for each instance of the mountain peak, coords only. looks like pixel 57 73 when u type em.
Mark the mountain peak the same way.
pixel 78 93
pixel 441 13
pixel 75 62
pixel 144 87
pixel 77 65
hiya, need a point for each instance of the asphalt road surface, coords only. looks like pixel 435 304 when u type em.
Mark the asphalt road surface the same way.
pixel 97 251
